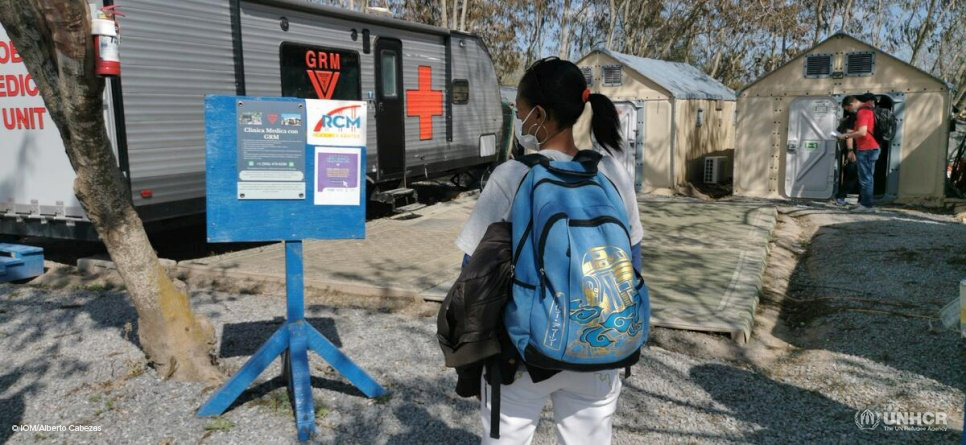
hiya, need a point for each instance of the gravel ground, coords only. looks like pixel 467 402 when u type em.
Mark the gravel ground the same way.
pixel 819 353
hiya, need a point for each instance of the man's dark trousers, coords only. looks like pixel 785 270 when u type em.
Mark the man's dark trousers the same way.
pixel 867 159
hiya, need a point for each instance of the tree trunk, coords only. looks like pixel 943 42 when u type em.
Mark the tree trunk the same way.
pixel 53 37
pixel 565 32
pixel 847 17
pixel 877 28
pixel 610 27
pixel 718 52
pixel 445 19
pixel 924 30
pixel 627 8
pixel 818 20
pixel 455 18
pixel 960 101
pixel 538 51
pixel 535 47
pixel 463 16
pixel 784 46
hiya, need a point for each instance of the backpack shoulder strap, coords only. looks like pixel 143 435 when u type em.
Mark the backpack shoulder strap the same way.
pixel 533 159
pixel 588 157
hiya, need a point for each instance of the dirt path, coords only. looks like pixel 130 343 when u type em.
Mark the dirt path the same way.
pixel 843 326
pixel 849 313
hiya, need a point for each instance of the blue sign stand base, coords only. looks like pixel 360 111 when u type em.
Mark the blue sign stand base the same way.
pixel 292 341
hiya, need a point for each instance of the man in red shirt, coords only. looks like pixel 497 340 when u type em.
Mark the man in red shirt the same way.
pixel 866 145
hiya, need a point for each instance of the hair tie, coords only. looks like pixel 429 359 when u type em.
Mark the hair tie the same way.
pixel 586 95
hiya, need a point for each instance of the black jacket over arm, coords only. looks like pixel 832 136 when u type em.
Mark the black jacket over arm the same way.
pixel 469 325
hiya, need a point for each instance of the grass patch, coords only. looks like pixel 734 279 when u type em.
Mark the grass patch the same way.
pixel 136 368
pixel 276 401
pixel 108 404
pixel 251 289
pixel 320 410
pixel 97 287
pixel 219 425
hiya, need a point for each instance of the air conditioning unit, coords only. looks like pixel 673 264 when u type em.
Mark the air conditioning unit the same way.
pixel 714 169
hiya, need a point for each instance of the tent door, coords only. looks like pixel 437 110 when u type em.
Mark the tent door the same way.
pixel 886 180
pixel 632 129
pixel 810 148
pixel 887 169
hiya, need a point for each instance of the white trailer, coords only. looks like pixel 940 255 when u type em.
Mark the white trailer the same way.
pixel 434 101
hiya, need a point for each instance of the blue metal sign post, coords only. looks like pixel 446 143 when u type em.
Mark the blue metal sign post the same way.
pixel 262 181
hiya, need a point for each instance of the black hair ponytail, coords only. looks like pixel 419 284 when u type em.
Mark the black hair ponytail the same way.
pixel 558 86
pixel 605 124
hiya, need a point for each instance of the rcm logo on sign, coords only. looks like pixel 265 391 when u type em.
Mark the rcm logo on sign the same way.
pixel 340 119
pixel 336 122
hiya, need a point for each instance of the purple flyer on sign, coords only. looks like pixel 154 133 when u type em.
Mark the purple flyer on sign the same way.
pixel 337 176
pixel 338 170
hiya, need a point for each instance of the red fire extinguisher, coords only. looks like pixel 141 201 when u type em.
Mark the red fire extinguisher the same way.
pixel 104 27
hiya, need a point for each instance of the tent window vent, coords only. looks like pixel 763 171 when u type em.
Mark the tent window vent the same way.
pixel 588 75
pixel 612 75
pixel 818 66
pixel 859 64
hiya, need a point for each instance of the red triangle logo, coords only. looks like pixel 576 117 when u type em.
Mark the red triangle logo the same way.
pixel 272 118
pixel 323 82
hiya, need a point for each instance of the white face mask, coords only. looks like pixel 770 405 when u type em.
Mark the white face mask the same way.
pixel 529 142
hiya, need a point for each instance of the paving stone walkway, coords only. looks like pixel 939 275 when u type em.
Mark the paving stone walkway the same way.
pixel 703 262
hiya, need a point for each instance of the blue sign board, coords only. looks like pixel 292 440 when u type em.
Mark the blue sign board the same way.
pixel 258 162
pixel 272 178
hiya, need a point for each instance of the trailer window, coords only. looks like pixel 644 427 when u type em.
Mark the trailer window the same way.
pixel 388 62
pixel 461 91
pixel 315 72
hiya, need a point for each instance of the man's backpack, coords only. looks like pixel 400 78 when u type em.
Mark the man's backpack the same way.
pixel 578 303
pixel 885 125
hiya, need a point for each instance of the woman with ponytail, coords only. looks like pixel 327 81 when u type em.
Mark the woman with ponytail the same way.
pixel 551 97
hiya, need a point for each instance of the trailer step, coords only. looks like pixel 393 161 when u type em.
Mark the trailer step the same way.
pixel 395 193
pixel 392 197
pixel 19 262
pixel 410 208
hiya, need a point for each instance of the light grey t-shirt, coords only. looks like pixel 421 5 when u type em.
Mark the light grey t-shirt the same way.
pixel 496 199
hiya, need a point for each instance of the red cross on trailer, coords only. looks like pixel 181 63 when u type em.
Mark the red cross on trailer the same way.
pixel 424 103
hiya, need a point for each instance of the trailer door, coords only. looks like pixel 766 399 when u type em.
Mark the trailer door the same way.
pixel 810 148
pixel 390 136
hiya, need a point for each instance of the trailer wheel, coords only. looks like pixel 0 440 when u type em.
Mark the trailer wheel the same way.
pixel 485 177
pixel 370 189
pixel 464 179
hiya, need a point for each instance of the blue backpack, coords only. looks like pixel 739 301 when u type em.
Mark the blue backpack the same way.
pixel 578 303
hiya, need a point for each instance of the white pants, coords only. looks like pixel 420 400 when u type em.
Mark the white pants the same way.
pixel 583 407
